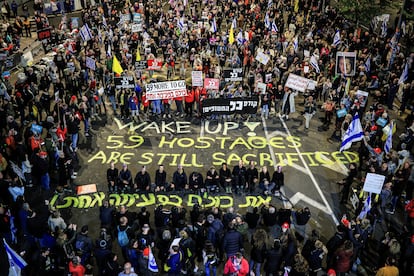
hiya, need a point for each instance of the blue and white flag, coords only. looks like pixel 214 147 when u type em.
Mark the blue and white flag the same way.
pixel 152 264
pixel 404 74
pixel 240 38
pixel 295 43
pixel 185 3
pixel 384 28
pixel 337 38
pixel 274 27
pixel 160 20
pixel 269 3
pixel 104 22
pixel 354 133
pixel 367 207
pixel 367 64
pixel 314 63
pixel 15 261
pixel 180 24
pixel 109 51
pixel 267 21
pixel 234 24
pixel 85 33
pixel 388 142
pixel 214 26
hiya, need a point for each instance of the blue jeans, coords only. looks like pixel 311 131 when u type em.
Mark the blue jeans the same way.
pixel 258 267
pixel 86 122
pixel 113 102
pixel 75 138
pixel 45 181
pixel 210 269
pixel 156 107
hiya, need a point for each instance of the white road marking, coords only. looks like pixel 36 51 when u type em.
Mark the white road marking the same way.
pixel 312 177
pixel 310 201
pixel 202 128
pixel 338 167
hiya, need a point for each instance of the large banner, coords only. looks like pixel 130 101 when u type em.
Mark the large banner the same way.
pixel 235 74
pixel 166 90
pixel 296 82
pixel 126 82
pixel 230 106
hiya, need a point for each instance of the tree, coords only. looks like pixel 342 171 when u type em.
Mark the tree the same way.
pixel 357 10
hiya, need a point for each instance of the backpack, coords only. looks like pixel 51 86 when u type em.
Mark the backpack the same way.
pixel 123 239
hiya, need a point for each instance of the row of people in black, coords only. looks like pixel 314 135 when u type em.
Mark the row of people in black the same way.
pixel 240 180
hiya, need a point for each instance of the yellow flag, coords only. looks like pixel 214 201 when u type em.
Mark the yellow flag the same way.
pixel 231 36
pixel 296 7
pixel 116 66
pixel 138 55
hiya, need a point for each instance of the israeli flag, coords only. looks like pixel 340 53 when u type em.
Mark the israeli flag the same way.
pixel 15 261
pixel 269 3
pixel 295 43
pixel 309 35
pixel 354 133
pixel 367 65
pixel 109 51
pixel 234 24
pixel 404 74
pixel 160 21
pixel 104 22
pixel 367 207
pixel 384 28
pixel 337 38
pixel 214 26
pixel 85 33
pixel 267 21
pixel 240 38
pixel 388 142
pixel 181 24
pixel 274 27
pixel 314 63
pixel 152 264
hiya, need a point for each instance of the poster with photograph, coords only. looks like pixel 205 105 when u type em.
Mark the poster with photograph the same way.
pixel 345 63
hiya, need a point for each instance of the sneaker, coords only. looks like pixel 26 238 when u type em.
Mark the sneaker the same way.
pixel 75 173
pixel 73 176
pixel 391 212
pixel 87 134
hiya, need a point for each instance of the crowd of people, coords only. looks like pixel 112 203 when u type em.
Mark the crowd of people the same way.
pixel 43 114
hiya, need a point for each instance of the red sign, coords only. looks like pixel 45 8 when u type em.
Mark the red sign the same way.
pixel 212 84
pixel 44 34
pixel 154 64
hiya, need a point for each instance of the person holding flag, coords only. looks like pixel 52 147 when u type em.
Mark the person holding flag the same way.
pixel 354 133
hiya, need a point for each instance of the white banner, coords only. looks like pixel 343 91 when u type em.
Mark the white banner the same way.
pixel 135 28
pixel 90 63
pixel 373 183
pixel 166 90
pixel 197 78
pixel 261 88
pixel 297 83
pixel 262 58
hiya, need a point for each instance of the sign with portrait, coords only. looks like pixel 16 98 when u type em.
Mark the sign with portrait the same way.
pixel 345 63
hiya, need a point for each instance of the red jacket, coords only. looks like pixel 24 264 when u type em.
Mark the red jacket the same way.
pixel 409 208
pixel 76 270
pixel 190 96
pixel 241 270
